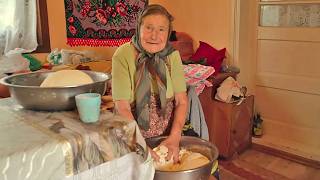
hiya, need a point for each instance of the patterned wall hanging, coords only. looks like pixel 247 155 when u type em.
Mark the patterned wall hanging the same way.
pixel 101 22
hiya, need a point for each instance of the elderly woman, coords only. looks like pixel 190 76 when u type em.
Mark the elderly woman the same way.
pixel 148 82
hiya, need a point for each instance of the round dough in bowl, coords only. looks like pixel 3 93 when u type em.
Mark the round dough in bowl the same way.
pixel 187 160
pixel 66 78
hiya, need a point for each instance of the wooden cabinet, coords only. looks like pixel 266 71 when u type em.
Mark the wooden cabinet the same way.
pixel 230 126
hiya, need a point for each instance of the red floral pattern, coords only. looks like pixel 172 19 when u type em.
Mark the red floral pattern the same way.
pixel 158 122
pixel 101 22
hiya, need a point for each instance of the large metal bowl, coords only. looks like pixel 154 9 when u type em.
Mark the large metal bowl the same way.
pixel 193 144
pixel 25 88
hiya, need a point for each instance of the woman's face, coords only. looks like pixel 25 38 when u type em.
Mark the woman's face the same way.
pixel 154 33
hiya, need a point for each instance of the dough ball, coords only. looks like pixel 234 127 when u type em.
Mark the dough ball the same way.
pixel 187 160
pixel 66 78
pixel 162 152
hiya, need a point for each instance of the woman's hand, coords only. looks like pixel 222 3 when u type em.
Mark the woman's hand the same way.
pixel 172 143
pixel 154 155
pixel 173 140
pixel 122 108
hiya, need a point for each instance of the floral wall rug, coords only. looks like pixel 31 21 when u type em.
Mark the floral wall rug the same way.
pixel 101 22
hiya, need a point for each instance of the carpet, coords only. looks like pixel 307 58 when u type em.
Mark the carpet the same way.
pixel 238 169
pixel 101 23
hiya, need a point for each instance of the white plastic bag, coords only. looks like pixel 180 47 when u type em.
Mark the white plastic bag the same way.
pixel 228 88
pixel 54 57
pixel 13 63
pixel 70 57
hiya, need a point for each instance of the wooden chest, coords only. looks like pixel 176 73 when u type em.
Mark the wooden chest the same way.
pixel 230 126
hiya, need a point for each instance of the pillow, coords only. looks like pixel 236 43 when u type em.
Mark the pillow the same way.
pixel 196 75
pixel 184 44
pixel 213 56
pixel 185 49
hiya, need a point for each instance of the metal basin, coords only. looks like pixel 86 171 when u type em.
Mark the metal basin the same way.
pixel 25 88
pixel 193 144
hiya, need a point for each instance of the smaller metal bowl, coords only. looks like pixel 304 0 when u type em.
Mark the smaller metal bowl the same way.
pixel 193 144
pixel 26 90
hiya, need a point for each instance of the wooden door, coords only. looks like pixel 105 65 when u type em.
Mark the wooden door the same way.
pixel 287 85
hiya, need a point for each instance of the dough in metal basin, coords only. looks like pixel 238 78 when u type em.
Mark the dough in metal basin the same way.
pixel 65 78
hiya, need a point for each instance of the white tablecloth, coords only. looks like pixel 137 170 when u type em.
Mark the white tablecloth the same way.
pixel 57 145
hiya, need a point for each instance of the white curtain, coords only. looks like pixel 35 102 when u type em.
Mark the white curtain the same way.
pixel 18 26
pixel 18 34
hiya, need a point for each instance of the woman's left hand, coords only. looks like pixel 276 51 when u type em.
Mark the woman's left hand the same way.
pixel 172 143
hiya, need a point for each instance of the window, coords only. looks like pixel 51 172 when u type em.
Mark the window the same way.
pixel 6 15
pixel 302 14
pixel 24 24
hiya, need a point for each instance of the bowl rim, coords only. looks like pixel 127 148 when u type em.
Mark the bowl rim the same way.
pixel 5 79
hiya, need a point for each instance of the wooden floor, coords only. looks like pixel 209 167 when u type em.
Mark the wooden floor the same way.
pixel 280 166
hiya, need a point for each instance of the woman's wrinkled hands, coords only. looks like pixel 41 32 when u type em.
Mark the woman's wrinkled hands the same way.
pixel 172 143
pixel 154 155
